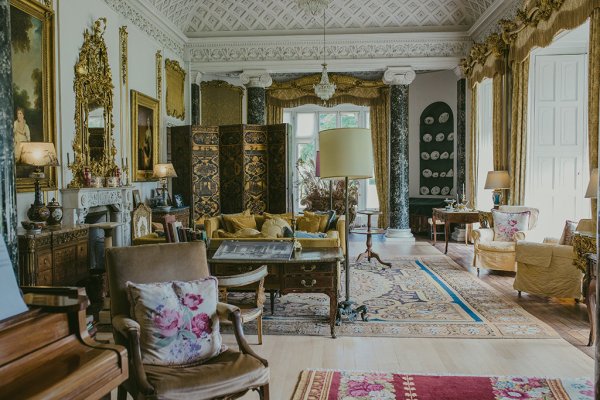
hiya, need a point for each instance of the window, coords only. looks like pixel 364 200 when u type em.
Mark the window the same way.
pixel 306 123
pixel 485 154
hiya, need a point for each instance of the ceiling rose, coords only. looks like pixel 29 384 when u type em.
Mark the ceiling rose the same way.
pixel 314 6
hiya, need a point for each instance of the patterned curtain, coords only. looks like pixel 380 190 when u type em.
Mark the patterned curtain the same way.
pixel 518 138
pixel 373 94
pixel 473 150
pixel 498 124
pixel 594 93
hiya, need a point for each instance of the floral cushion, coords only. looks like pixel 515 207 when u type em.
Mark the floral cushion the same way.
pixel 568 232
pixel 178 320
pixel 506 224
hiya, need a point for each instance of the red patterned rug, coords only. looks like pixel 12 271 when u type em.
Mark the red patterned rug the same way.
pixel 352 385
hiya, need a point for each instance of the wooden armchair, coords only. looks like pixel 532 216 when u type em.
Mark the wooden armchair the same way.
pixel 253 311
pixel 227 376
pixel 141 227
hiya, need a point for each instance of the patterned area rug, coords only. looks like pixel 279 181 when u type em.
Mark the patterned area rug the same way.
pixel 351 385
pixel 428 296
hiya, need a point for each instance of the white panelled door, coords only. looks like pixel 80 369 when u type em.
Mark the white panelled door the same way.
pixel 557 167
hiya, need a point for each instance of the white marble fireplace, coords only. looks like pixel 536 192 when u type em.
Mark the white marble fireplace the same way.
pixel 77 202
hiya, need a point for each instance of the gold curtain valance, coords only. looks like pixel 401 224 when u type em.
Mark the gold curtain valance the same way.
pixel 538 22
pixel 300 92
pixel 485 59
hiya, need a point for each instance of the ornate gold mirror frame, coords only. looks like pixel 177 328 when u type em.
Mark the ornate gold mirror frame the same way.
pixel 94 144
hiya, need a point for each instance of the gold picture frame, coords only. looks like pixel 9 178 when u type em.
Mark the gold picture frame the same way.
pixel 221 103
pixel 175 76
pixel 33 66
pixel 145 128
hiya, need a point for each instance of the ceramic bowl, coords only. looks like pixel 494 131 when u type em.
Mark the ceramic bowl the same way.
pixel 435 155
pixel 429 120
pixel 425 155
pixel 424 190
pixel 442 174
pixel 444 118
pixel 444 155
pixel 439 137
pixel 435 175
pixel 450 137
pixel 427 138
pixel 435 190
pixel 445 190
pixel 427 173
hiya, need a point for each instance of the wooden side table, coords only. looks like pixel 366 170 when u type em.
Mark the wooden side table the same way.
pixel 370 231
pixel 456 217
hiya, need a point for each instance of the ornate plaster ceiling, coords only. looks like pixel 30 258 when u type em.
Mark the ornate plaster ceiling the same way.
pixel 199 18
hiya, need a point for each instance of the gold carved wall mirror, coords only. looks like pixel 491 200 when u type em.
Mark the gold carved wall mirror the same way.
pixel 94 144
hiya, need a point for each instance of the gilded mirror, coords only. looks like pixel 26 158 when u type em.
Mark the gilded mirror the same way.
pixel 94 144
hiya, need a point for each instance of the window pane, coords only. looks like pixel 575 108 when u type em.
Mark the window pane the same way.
pixel 287 117
pixel 327 121
pixel 368 120
pixel 372 197
pixel 305 168
pixel 306 125
pixel 349 119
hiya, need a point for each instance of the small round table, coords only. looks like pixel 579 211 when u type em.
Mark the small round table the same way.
pixel 370 231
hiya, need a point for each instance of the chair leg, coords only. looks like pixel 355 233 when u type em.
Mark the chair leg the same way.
pixel 121 393
pixel 264 392
pixel 259 329
pixel 519 294
pixel 477 271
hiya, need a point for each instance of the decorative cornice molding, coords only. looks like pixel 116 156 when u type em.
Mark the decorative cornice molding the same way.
pixel 256 78
pixel 399 76
pixel 308 47
pixel 488 21
pixel 150 23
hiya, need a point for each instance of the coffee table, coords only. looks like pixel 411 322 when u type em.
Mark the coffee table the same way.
pixel 311 270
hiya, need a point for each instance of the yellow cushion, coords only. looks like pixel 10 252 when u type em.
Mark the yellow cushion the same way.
pixel 309 223
pixel 228 218
pixel 273 227
pixel 323 219
pixel 287 216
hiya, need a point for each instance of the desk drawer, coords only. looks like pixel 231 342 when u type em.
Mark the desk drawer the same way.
pixel 308 282
pixel 310 269
pixel 236 269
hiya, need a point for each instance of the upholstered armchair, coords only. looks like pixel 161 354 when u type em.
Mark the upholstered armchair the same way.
pixel 491 253
pixel 226 376
pixel 546 269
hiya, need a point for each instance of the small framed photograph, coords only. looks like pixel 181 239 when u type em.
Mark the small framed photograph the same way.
pixel 137 200
pixel 178 201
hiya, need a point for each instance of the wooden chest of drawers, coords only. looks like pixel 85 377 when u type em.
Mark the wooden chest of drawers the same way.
pixel 310 271
pixel 57 257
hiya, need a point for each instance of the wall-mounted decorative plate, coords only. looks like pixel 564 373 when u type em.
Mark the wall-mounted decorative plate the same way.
pixel 424 190
pixel 427 138
pixel 444 118
pixel 429 120
pixel 427 173
pixel 425 155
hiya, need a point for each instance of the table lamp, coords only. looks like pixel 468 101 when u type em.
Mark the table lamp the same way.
pixel 38 155
pixel 497 180
pixel 346 153
pixel 163 172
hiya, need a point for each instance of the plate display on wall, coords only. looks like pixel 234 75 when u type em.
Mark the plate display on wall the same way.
pixel 437 150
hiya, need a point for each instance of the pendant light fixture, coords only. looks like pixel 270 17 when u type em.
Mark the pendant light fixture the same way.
pixel 314 6
pixel 324 89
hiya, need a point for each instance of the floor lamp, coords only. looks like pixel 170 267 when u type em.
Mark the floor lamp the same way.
pixel 346 153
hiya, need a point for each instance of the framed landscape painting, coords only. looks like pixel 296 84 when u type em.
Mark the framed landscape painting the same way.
pixel 145 135
pixel 32 45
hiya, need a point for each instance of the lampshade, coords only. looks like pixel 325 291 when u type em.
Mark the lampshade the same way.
pixel 592 188
pixel 318 164
pixel 497 180
pixel 38 154
pixel 164 171
pixel 346 152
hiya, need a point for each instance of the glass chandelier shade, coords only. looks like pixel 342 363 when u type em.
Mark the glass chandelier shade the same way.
pixel 324 89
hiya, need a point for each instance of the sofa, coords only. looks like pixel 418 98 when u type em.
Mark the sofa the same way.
pixel 334 237
pixel 546 269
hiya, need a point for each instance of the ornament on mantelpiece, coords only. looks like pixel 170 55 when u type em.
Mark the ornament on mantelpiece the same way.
pixel 56 213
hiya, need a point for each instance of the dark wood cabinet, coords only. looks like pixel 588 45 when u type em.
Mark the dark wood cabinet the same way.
pixel 57 257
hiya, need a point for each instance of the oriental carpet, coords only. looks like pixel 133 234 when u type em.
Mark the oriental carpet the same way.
pixel 427 296
pixel 354 385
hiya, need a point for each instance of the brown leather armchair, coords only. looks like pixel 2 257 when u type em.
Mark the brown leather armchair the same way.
pixel 227 376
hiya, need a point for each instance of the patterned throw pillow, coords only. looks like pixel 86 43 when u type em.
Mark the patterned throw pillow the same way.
pixel 273 227
pixel 226 220
pixel 178 320
pixel 309 223
pixel 324 218
pixel 568 231
pixel 506 224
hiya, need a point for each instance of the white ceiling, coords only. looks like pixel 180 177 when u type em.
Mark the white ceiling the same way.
pixel 211 18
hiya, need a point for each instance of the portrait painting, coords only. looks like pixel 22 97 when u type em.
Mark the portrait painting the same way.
pixel 32 47
pixel 145 132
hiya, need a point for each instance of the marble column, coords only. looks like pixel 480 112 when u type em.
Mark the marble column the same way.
pixel 461 134
pixel 8 195
pixel 195 104
pixel 256 82
pixel 399 78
